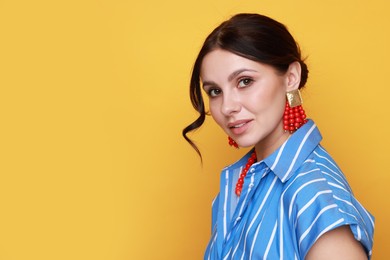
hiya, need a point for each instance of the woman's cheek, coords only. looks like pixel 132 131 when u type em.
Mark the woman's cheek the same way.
pixel 217 117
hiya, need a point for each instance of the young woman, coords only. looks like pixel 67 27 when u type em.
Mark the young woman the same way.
pixel 287 198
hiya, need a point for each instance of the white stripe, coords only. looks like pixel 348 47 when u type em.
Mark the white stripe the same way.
pixel 334 178
pixel 298 151
pixel 303 174
pixel 247 194
pixel 368 214
pixel 309 161
pixel 327 159
pixel 227 255
pixel 359 234
pixel 327 154
pixel 282 211
pixel 278 156
pixel 346 213
pixel 225 204
pixel 258 212
pixel 235 249
pixel 336 173
pixel 357 221
pixel 323 149
pixel 271 239
pixel 255 238
pixel 212 245
pixel 255 217
pixel 245 199
pixel 339 174
pixel 262 203
pixel 345 201
pixel 337 186
pixel 281 229
pixel 298 190
pixel 311 202
pixel 212 203
pixel 304 234
pixel 329 228
pixel 356 210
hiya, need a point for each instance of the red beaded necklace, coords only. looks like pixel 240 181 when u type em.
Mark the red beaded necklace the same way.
pixel 240 182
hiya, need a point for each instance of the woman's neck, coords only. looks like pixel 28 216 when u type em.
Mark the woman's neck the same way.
pixel 270 144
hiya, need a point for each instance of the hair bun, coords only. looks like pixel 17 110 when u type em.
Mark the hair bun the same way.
pixel 304 74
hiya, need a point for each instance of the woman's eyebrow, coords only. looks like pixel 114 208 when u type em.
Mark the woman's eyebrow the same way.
pixel 230 77
pixel 208 83
pixel 238 72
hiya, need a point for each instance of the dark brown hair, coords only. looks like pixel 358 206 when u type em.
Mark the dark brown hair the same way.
pixel 252 36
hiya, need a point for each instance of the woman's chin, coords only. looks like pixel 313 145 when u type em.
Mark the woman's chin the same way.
pixel 245 144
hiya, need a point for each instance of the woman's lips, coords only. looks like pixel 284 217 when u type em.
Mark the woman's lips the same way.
pixel 239 127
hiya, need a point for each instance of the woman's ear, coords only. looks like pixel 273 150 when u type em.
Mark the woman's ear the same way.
pixel 293 76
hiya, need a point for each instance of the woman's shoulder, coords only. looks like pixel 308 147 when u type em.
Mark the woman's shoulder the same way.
pixel 319 198
pixel 320 170
pixel 319 183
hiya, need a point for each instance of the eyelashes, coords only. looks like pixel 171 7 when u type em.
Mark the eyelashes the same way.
pixel 214 91
pixel 245 82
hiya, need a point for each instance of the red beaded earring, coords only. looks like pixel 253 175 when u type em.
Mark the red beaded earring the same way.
pixel 294 115
pixel 232 142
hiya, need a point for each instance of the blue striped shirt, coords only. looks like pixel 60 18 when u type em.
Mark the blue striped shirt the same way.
pixel 288 201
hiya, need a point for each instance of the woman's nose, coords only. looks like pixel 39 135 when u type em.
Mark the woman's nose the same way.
pixel 230 104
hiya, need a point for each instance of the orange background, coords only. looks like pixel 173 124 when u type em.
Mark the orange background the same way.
pixel 93 97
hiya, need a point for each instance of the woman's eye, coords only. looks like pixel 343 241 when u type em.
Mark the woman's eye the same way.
pixel 244 82
pixel 214 92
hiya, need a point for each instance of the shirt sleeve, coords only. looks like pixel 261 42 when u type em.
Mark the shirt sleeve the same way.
pixel 321 204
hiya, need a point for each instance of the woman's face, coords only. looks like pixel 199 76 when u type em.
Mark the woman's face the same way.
pixel 246 98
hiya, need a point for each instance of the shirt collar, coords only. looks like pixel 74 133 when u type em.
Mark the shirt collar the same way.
pixel 294 151
pixel 289 156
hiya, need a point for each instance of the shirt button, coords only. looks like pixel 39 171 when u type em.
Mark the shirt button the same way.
pixel 253 169
pixel 251 185
pixel 238 219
